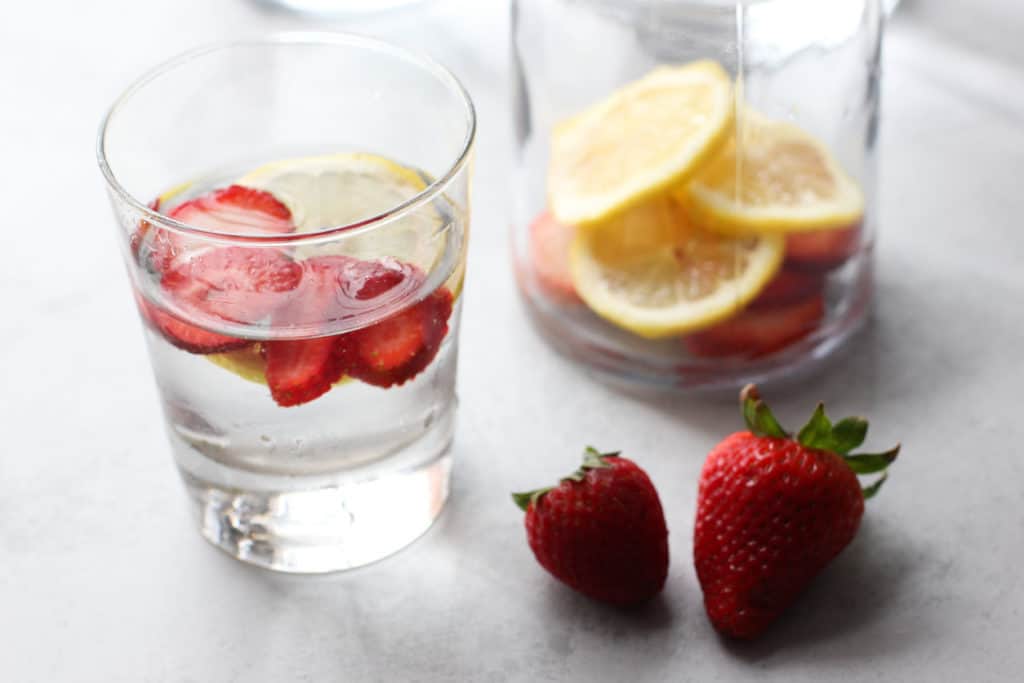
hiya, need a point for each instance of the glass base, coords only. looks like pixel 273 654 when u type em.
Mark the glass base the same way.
pixel 320 524
pixel 642 374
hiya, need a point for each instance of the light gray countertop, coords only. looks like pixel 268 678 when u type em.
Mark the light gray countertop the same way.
pixel 103 578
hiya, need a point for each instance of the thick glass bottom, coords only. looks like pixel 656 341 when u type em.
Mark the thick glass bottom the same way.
pixel 322 523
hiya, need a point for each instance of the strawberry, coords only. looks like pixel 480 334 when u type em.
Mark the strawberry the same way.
pixel 239 284
pixel 549 254
pixel 234 209
pixel 601 530
pixel 758 331
pixel 395 349
pixel 401 346
pixel 822 250
pixel 773 510
pixel 185 335
pixel 789 287
pixel 300 370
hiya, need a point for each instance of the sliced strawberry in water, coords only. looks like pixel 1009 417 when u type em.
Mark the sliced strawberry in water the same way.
pixel 550 242
pixel 789 287
pixel 401 346
pixel 237 210
pixel 301 370
pixel 185 335
pixel 758 332
pixel 822 250
pixel 234 210
pixel 388 352
pixel 237 284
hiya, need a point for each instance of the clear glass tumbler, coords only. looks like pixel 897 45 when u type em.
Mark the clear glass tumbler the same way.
pixel 694 198
pixel 293 216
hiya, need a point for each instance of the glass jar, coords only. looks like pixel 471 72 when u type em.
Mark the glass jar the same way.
pixel 694 196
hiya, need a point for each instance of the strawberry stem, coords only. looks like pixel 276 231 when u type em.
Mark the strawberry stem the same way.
pixel 593 459
pixel 819 433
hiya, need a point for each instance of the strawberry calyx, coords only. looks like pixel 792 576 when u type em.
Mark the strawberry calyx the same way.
pixel 593 459
pixel 821 434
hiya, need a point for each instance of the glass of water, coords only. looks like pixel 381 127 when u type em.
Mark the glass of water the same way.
pixel 293 217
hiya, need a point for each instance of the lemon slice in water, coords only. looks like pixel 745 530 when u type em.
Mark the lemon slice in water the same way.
pixel 646 137
pixel 778 179
pixel 650 271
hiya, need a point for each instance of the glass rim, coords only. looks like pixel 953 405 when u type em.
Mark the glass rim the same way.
pixel 314 38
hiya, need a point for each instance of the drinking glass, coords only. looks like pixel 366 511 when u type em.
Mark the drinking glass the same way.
pixel 661 258
pixel 293 216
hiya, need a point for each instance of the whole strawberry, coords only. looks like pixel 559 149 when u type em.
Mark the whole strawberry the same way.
pixel 601 530
pixel 773 510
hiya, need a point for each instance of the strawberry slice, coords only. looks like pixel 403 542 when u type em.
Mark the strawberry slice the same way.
pixel 758 332
pixel 300 370
pixel 185 335
pixel 401 346
pixel 789 287
pixel 235 209
pixel 822 250
pixel 341 288
pixel 238 284
pixel 550 242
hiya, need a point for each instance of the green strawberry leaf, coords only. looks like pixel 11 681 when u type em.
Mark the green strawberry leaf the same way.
pixel 869 463
pixel 524 499
pixel 848 433
pixel 817 433
pixel 821 434
pixel 870 491
pixel 593 459
pixel 759 418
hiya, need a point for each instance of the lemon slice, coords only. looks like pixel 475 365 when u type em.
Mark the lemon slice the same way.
pixel 784 180
pixel 653 273
pixel 644 138
pixel 249 364
pixel 344 189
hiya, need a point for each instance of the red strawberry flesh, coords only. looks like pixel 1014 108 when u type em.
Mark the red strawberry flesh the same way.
pixel 231 210
pixel 236 210
pixel 301 370
pixel 238 284
pixel 823 250
pixel 550 242
pixel 399 347
pixel 758 331
pixel 789 287
pixel 185 335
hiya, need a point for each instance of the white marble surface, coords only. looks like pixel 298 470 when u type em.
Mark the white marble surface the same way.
pixel 102 578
